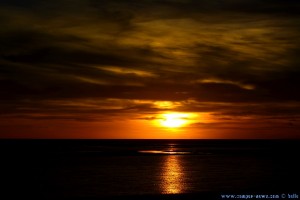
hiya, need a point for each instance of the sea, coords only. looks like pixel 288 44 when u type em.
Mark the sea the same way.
pixel 149 169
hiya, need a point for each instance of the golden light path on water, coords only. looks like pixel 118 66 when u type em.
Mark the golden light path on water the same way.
pixel 172 175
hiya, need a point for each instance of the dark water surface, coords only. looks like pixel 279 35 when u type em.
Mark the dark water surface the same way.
pixel 50 169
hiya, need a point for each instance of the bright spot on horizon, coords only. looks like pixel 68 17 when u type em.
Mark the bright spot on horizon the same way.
pixel 174 120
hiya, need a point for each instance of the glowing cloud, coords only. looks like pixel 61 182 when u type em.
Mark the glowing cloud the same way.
pixel 175 120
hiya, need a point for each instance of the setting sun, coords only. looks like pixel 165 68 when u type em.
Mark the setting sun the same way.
pixel 174 120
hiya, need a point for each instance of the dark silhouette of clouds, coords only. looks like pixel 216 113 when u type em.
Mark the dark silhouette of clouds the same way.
pixel 235 52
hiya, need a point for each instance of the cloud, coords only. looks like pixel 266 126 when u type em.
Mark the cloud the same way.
pixel 216 81
pixel 227 57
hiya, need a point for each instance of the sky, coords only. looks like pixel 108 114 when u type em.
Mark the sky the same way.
pixel 189 69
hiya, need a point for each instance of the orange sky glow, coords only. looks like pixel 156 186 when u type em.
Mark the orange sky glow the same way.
pixel 149 69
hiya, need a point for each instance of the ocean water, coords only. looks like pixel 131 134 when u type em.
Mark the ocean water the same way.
pixel 51 169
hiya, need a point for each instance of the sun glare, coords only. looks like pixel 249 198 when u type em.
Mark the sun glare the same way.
pixel 174 120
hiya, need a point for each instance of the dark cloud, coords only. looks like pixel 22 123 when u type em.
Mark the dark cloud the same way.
pixel 235 52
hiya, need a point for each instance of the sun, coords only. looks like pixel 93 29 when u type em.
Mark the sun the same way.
pixel 174 120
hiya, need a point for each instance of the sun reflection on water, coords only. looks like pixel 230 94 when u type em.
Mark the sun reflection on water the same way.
pixel 172 175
